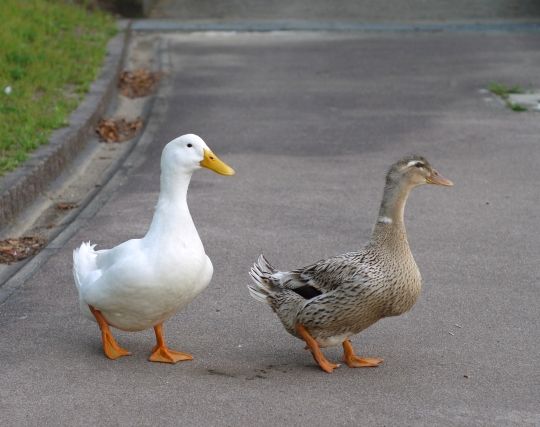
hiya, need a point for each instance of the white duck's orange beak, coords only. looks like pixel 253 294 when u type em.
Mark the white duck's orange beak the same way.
pixel 212 162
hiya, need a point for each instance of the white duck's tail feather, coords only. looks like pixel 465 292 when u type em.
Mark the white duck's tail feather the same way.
pixel 84 266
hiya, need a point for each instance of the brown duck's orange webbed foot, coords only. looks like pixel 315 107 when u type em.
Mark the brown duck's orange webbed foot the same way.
pixel 322 361
pixel 161 353
pixel 353 361
pixel 110 347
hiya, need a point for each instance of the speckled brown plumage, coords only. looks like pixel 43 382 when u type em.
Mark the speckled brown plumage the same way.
pixel 338 297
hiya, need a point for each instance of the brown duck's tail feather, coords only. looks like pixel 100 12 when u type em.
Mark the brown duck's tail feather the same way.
pixel 267 288
pixel 263 286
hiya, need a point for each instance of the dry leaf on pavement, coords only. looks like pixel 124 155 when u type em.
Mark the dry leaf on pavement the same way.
pixel 65 206
pixel 118 130
pixel 138 83
pixel 17 249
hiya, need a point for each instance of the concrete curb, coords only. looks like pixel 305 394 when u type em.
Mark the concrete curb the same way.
pixel 517 26
pixel 20 188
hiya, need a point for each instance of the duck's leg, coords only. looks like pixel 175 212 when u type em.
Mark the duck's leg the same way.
pixel 110 347
pixel 353 361
pixel 161 353
pixel 313 346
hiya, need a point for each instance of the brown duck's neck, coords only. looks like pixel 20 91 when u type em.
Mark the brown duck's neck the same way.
pixel 390 224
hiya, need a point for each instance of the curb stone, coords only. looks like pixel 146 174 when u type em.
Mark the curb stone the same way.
pixel 19 188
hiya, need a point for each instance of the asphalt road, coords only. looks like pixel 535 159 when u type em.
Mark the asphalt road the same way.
pixel 346 10
pixel 311 122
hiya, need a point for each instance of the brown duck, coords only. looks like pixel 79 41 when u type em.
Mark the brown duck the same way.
pixel 327 302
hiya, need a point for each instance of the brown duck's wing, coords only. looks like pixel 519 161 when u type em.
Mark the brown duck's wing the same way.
pixel 325 275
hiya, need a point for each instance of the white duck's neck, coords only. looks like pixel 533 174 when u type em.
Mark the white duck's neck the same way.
pixel 172 221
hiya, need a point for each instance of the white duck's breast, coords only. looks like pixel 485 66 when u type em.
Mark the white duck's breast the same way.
pixel 139 293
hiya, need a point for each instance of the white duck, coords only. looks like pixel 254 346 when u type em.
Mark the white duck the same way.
pixel 142 282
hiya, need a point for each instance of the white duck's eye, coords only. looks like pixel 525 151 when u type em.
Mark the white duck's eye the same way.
pixel 190 145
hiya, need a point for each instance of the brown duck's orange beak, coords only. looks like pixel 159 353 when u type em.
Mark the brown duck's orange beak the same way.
pixel 437 179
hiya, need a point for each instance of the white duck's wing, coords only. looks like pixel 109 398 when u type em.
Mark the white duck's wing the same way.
pixel 120 270
pixel 106 258
pixel 99 272
pixel 89 264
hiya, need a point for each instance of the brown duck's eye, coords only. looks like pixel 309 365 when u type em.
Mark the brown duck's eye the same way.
pixel 419 165
pixel 190 145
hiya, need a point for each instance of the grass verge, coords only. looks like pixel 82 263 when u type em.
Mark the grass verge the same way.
pixel 504 92
pixel 51 51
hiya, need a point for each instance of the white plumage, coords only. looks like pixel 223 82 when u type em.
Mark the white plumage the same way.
pixel 142 282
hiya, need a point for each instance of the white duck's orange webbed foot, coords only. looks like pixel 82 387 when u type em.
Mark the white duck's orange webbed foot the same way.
pixel 318 355
pixel 110 347
pixel 161 353
pixel 353 361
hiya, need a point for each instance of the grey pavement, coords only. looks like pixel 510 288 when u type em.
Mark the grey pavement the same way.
pixel 310 122
pixel 346 10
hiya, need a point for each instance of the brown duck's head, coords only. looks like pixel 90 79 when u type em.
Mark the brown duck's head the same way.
pixel 415 170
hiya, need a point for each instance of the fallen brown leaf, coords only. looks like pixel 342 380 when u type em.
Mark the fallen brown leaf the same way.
pixel 17 249
pixel 118 130
pixel 65 206
pixel 137 83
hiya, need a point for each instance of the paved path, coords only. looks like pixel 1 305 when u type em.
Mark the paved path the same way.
pixel 311 122
pixel 346 10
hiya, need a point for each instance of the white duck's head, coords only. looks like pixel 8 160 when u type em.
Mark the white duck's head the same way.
pixel 188 153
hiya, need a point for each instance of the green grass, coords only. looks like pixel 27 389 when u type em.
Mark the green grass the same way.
pixel 504 93
pixel 518 108
pixel 50 52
